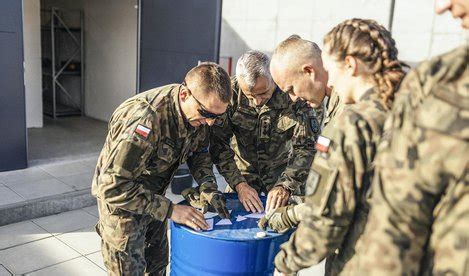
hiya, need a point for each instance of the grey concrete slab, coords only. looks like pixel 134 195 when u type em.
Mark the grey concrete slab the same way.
pixel 91 162
pixel 4 271
pixel 39 189
pixel 7 196
pixel 85 241
pixel 24 176
pixel 92 210
pixel 20 233
pixel 78 181
pixel 45 206
pixel 36 255
pixel 66 137
pixel 97 259
pixel 60 169
pixel 79 266
pixel 66 222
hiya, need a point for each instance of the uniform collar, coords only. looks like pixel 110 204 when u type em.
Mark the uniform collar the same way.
pixel 279 100
pixel 370 94
pixel 183 125
pixel 332 101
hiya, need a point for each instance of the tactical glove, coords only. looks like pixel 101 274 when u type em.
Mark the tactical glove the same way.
pixel 216 200
pixel 207 198
pixel 192 196
pixel 280 220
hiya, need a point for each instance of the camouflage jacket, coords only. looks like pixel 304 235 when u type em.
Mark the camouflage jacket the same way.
pixel 147 141
pixel 266 146
pixel 333 107
pixel 337 188
pixel 420 204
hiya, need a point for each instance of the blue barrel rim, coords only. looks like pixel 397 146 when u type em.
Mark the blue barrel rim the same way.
pixel 270 234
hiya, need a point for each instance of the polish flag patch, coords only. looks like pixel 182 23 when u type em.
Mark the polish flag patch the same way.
pixel 323 144
pixel 143 131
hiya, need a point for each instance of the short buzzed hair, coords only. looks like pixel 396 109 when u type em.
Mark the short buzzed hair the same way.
pixel 212 78
pixel 295 47
pixel 252 65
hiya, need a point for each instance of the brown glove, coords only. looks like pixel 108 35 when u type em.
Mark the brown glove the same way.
pixel 280 220
pixel 216 200
pixel 207 198
pixel 192 196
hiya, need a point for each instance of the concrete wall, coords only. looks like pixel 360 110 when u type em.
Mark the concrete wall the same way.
pixel 420 33
pixel 110 55
pixel 262 24
pixel 32 62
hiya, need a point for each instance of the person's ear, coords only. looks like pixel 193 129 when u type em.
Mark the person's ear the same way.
pixel 184 94
pixel 308 70
pixel 351 65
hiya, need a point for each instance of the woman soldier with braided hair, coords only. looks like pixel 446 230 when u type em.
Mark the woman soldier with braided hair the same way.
pixel 361 59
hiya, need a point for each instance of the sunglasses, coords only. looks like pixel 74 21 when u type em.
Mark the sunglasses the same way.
pixel 202 110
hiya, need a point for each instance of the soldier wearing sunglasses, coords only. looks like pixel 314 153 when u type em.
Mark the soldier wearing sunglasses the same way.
pixel 150 135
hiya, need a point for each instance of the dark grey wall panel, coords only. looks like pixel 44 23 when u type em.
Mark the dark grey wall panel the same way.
pixel 174 36
pixel 13 143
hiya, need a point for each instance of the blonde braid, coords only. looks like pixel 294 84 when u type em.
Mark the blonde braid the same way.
pixel 372 44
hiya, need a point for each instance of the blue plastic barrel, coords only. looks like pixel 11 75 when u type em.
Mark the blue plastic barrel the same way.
pixel 225 250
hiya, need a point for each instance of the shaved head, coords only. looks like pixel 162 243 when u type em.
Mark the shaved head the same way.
pixel 295 51
pixel 296 67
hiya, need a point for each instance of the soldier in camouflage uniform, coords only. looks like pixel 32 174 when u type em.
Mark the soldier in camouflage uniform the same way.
pixel 298 68
pixel 419 217
pixel 335 208
pixel 150 135
pixel 266 145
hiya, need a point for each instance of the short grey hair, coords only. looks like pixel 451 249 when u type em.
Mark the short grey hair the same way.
pixel 252 65
pixel 294 49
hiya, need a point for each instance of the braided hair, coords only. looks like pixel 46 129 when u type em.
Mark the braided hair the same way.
pixel 372 44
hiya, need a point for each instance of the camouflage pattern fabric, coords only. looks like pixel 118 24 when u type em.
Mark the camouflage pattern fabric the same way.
pixel 279 219
pixel 147 141
pixel 333 107
pixel 419 217
pixel 134 244
pixel 266 146
pixel 335 205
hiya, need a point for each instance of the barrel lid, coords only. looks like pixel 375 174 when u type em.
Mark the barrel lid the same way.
pixel 244 230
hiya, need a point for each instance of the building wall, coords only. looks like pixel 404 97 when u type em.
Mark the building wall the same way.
pixel 110 55
pixel 32 62
pixel 262 24
pixel 420 33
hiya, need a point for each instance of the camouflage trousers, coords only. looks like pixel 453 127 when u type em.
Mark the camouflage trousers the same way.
pixel 132 244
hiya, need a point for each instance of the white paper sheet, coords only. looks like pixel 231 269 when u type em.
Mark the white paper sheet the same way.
pixel 240 218
pixel 224 222
pixel 210 224
pixel 255 215
pixel 210 215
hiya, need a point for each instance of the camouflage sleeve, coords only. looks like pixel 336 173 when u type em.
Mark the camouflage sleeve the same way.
pixel 200 161
pixel 332 188
pixel 422 166
pixel 304 137
pixel 222 153
pixel 128 154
